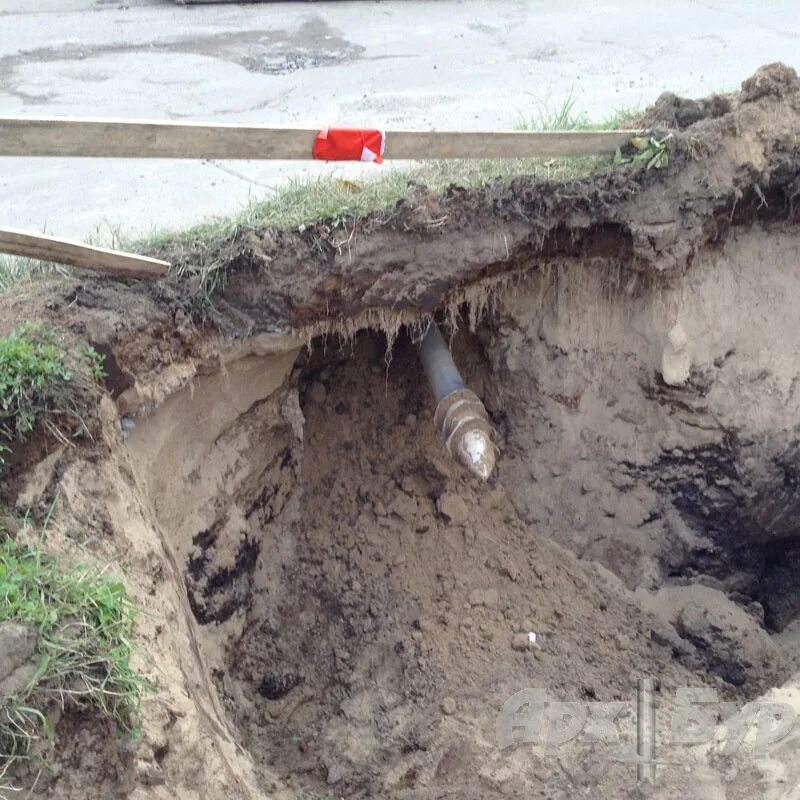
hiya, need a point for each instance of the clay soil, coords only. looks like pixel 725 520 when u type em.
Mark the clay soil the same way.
pixel 333 608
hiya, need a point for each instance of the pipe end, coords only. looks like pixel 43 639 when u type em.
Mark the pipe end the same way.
pixel 477 452
pixel 467 432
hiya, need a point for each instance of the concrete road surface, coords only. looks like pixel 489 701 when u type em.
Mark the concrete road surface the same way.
pixel 396 63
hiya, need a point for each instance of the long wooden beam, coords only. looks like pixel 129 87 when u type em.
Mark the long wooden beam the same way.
pixel 63 251
pixel 114 138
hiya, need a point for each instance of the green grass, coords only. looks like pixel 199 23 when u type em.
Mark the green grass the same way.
pixel 16 271
pixel 43 379
pixel 569 116
pixel 85 624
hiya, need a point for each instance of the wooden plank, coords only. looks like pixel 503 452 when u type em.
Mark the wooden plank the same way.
pixel 503 144
pixel 110 138
pixel 63 251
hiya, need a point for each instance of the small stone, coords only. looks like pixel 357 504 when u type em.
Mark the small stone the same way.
pixel 526 625
pixel 520 642
pixel 335 773
pixel 484 597
pixel 662 633
pixel 405 506
pixel 416 636
pixel 17 645
pixel 317 393
pixel 452 508
pixel 509 569
pixel 449 706
pixel 410 486
pixel 621 641
pixel 151 774
pixel 18 680
pixel 410 420
pixel 676 357
pixel 379 508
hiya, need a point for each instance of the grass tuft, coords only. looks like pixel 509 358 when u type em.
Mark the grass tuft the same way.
pixel 16 271
pixel 569 116
pixel 41 378
pixel 84 622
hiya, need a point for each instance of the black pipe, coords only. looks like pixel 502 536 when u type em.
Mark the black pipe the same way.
pixel 443 375
pixel 460 416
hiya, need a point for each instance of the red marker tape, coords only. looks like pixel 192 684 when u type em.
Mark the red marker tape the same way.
pixel 349 144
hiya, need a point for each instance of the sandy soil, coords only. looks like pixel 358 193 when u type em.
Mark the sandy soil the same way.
pixel 336 610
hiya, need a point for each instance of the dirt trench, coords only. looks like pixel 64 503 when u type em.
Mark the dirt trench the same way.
pixel 335 609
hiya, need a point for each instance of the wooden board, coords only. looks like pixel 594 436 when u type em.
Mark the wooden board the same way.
pixel 110 138
pixel 84 256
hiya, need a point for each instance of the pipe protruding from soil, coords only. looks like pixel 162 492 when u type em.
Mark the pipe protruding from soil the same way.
pixel 460 415
pixel 467 432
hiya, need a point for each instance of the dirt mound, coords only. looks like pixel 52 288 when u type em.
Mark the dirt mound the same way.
pixel 335 610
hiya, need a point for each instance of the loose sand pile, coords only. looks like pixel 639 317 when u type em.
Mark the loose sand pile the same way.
pixel 333 608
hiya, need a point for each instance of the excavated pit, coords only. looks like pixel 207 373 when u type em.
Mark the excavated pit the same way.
pixel 351 582
pixel 334 608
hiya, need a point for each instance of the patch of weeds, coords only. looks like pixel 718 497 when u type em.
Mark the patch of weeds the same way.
pixel 569 116
pixel 43 379
pixel 17 270
pixel 84 623
pixel 650 152
pixel 564 117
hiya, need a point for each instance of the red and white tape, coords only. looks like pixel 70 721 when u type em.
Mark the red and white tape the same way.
pixel 349 144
